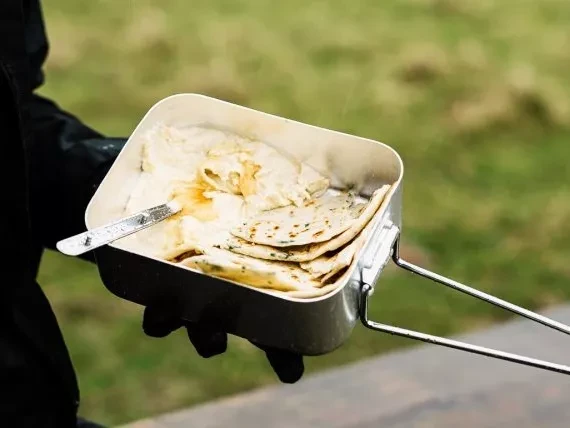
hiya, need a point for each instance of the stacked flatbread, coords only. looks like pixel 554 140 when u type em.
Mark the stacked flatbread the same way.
pixel 252 214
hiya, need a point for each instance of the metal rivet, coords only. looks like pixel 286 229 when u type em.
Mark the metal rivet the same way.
pixel 143 218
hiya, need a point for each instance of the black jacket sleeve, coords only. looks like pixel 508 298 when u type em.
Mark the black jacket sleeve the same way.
pixel 67 158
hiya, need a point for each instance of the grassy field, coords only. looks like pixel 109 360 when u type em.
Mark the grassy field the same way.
pixel 475 95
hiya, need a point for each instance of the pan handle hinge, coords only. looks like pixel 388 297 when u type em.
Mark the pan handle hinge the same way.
pixel 367 290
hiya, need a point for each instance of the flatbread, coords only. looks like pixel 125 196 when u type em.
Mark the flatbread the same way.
pixel 315 292
pixel 247 270
pixel 178 151
pixel 303 239
pixel 310 293
pixel 322 266
pixel 317 220
pixel 305 253
pixel 224 174
pixel 325 267
pixel 265 177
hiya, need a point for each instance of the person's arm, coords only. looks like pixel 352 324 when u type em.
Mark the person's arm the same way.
pixel 68 159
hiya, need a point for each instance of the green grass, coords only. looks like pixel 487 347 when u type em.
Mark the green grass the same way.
pixel 475 95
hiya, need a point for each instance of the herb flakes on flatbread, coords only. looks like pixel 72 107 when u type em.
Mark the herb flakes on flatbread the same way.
pixel 317 220
pixel 306 253
pixel 248 270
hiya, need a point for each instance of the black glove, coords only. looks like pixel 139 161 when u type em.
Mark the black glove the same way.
pixel 208 342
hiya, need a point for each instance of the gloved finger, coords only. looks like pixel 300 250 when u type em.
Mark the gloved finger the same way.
pixel 288 366
pixel 207 341
pixel 159 323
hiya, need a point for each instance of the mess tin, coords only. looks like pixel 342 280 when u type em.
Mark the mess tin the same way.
pixel 307 326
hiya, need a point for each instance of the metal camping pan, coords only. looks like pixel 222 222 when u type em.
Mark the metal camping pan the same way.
pixel 307 326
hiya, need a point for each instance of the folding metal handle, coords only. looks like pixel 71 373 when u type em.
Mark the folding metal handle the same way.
pixel 367 290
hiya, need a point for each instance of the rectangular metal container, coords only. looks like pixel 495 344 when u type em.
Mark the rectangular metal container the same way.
pixel 307 326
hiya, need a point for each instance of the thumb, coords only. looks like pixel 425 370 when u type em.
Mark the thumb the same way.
pixel 288 366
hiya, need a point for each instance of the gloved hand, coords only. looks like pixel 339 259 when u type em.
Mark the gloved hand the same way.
pixel 208 342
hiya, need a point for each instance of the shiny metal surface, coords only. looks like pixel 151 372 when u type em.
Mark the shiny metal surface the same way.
pixel 477 293
pixel 436 340
pixel 102 235
pixel 378 255
pixel 367 290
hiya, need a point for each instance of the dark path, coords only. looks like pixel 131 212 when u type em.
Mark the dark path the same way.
pixel 427 386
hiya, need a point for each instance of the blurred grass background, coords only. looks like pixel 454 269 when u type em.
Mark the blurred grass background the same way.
pixel 475 95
